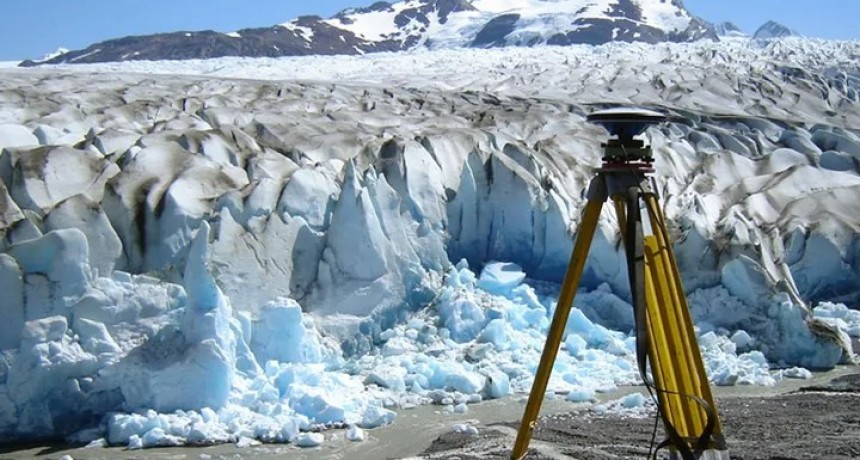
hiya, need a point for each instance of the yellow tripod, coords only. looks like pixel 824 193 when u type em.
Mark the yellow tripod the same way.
pixel 664 328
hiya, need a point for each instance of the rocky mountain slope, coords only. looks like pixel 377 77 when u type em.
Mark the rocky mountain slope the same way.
pixel 729 29
pixel 410 24
pixel 773 29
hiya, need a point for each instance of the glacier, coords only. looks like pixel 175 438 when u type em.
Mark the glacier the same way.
pixel 259 249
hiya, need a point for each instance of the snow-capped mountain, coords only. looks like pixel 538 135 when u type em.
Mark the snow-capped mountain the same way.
pixel 773 29
pixel 421 23
pixel 729 29
pixel 59 52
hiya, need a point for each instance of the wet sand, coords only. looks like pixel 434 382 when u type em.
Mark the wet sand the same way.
pixel 760 423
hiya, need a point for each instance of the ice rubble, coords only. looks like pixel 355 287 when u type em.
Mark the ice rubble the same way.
pixel 196 260
pixel 207 376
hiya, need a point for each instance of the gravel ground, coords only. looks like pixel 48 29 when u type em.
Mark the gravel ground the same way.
pixel 817 422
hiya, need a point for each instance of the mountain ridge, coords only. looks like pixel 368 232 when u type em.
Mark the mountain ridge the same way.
pixel 773 29
pixel 432 24
pixel 729 29
pixel 409 24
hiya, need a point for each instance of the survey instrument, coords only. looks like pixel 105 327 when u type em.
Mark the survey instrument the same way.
pixel 667 352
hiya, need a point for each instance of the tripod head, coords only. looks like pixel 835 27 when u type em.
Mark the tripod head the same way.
pixel 625 124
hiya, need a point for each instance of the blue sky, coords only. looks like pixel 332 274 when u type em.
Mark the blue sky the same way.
pixel 32 28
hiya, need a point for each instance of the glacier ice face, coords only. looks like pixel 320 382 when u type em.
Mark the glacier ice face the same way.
pixel 254 259
pixel 282 334
pixel 15 135
pixel 12 285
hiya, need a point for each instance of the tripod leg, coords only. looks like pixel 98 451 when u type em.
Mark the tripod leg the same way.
pixel 621 214
pixel 680 371
pixel 590 217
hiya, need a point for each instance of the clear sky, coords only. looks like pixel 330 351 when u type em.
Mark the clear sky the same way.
pixel 32 28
